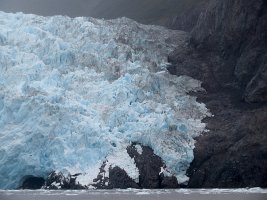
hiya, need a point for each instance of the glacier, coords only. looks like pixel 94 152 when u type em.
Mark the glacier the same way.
pixel 75 92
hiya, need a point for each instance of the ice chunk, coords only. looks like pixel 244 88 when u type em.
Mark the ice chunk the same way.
pixel 139 149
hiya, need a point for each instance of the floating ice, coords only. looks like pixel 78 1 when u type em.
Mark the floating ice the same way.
pixel 75 92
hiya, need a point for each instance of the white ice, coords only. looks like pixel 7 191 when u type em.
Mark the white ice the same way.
pixel 75 92
pixel 139 149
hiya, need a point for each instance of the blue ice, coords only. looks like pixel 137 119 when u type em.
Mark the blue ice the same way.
pixel 75 92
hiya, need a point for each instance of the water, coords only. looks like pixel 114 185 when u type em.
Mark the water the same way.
pixel 132 194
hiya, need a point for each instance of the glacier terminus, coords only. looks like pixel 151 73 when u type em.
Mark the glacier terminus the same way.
pixel 75 92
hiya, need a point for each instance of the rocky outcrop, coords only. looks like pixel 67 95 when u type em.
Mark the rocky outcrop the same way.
pixel 117 178
pixel 56 181
pixel 150 166
pixel 228 53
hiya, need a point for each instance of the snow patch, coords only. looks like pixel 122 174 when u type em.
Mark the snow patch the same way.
pixel 121 159
pixel 139 149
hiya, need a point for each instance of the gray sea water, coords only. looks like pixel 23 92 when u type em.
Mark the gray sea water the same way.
pixel 132 194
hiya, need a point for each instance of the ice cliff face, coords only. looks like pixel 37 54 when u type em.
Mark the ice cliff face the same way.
pixel 76 92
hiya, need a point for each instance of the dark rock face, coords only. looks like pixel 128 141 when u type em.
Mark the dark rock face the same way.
pixel 32 183
pixel 257 87
pixel 187 19
pixel 149 166
pixel 118 178
pixel 233 153
pixel 228 52
pixel 237 32
pixel 168 182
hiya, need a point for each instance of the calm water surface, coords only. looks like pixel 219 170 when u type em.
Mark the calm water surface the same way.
pixel 182 194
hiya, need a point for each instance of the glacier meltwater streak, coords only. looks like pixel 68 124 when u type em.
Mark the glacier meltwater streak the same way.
pixel 76 92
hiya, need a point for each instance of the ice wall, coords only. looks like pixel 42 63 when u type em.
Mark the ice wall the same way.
pixel 75 92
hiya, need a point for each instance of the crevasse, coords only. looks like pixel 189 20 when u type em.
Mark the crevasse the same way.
pixel 76 92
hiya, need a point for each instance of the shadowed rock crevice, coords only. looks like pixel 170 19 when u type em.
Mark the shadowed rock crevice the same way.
pixel 32 182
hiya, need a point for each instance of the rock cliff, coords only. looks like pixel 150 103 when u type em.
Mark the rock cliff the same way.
pixel 228 52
